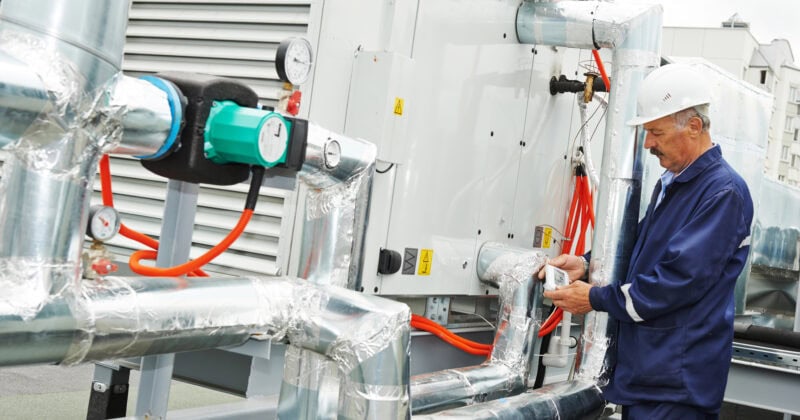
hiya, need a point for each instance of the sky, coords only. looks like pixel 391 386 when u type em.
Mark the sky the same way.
pixel 769 19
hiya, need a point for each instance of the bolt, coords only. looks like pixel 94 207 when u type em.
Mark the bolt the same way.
pixel 464 265
pixel 120 389
pixel 99 386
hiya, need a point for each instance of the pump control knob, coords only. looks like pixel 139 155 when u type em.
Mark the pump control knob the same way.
pixel 389 261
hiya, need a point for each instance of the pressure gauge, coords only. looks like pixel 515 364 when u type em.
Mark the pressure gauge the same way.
pixel 293 60
pixel 103 223
pixel 333 154
pixel 273 140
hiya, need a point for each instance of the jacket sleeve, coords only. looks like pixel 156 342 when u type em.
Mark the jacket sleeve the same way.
pixel 694 258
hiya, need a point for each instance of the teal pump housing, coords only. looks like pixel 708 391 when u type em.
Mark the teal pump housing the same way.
pixel 236 134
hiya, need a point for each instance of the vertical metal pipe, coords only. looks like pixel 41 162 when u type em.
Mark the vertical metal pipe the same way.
pixel 75 49
pixel 634 32
pixel 510 366
pixel 337 180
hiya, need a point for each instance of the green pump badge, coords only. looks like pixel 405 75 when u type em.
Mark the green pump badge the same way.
pixel 236 134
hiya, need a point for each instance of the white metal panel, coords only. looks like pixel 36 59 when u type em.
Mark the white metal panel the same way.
pixel 464 175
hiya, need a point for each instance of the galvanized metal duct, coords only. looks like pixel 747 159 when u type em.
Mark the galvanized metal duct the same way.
pixel 336 181
pixel 366 337
pixel 634 32
pixel 74 49
pixel 564 400
pixel 507 370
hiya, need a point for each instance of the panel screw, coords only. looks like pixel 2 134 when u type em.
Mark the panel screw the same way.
pixel 99 387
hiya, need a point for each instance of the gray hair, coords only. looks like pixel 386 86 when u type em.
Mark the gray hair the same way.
pixel 699 111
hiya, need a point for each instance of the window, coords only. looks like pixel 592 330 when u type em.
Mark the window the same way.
pixel 795 161
pixel 789 124
pixel 797 134
pixel 763 77
pixel 794 94
pixel 785 153
pixel 781 178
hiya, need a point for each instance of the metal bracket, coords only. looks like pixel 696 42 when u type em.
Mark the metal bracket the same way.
pixel 438 309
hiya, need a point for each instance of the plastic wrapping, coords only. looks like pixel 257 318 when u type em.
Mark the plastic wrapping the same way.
pixel 367 337
pixel 508 369
pixel 44 187
pixel 336 206
pixel 336 202
pixel 565 400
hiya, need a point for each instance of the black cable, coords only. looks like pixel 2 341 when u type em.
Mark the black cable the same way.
pixel 540 370
pixel 385 170
pixel 256 177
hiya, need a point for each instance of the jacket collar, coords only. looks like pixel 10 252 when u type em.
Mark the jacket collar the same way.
pixel 705 160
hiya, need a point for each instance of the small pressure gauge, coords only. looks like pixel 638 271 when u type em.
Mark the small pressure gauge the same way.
pixel 293 60
pixel 273 140
pixel 103 223
pixel 333 154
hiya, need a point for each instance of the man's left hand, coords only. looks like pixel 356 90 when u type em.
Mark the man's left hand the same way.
pixel 573 298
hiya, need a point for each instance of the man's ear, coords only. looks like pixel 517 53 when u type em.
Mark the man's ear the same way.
pixel 695 126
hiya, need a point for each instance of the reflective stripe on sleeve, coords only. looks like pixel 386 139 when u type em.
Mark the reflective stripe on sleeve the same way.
pixel 745 242
pixel 629 303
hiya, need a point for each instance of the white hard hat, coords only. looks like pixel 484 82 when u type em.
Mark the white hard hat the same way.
pixel 669 89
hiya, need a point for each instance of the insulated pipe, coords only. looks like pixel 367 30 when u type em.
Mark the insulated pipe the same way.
pixel 22 98
pixel 634 32
pixel 337 179
pixel 507 370
pixel 149 115
pixel 75 49
pixel 367 337
pixel 564 400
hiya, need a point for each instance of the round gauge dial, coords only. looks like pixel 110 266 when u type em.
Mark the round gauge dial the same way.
pixel 333 154
pixel 273 139
pixel 293 60
pixel 103 223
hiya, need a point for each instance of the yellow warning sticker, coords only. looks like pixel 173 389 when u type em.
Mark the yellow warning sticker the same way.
pixel 398 106
pixel 425 262
pixel 548 237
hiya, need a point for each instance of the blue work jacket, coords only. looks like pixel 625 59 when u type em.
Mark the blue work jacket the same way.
pixel 675 308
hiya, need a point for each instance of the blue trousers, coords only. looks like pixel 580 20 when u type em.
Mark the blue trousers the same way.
pixel 665 411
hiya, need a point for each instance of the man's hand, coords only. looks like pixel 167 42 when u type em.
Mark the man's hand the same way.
pixel 572 264
pixel 573 298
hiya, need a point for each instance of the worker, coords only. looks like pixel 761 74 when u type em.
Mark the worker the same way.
pixel 674 309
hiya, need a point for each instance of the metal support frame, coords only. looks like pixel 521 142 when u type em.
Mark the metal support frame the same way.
pixel 176 240
pixel 437 309
pixel 109 395
pixel 776 390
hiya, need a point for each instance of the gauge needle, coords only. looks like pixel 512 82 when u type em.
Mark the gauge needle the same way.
pixel 297 60
pixel 105 222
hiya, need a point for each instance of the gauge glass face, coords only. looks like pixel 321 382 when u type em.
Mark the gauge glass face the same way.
pixel 333 154
pixel 104 224
pixel 297 61
pixel 273 139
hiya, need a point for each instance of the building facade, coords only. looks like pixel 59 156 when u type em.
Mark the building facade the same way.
pixel 768 66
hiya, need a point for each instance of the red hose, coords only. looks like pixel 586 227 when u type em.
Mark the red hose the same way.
pixel 602 69
pixel 463 344
pixel 108 200
pixel 195 264
pixel 432 324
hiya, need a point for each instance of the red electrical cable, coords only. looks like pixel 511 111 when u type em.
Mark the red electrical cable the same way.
pixel 422 320
pixel 108 200
pixel 450 338
pixel 192 265
pixel 602 69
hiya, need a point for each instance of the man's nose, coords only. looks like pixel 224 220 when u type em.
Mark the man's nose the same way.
pixel 648 141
